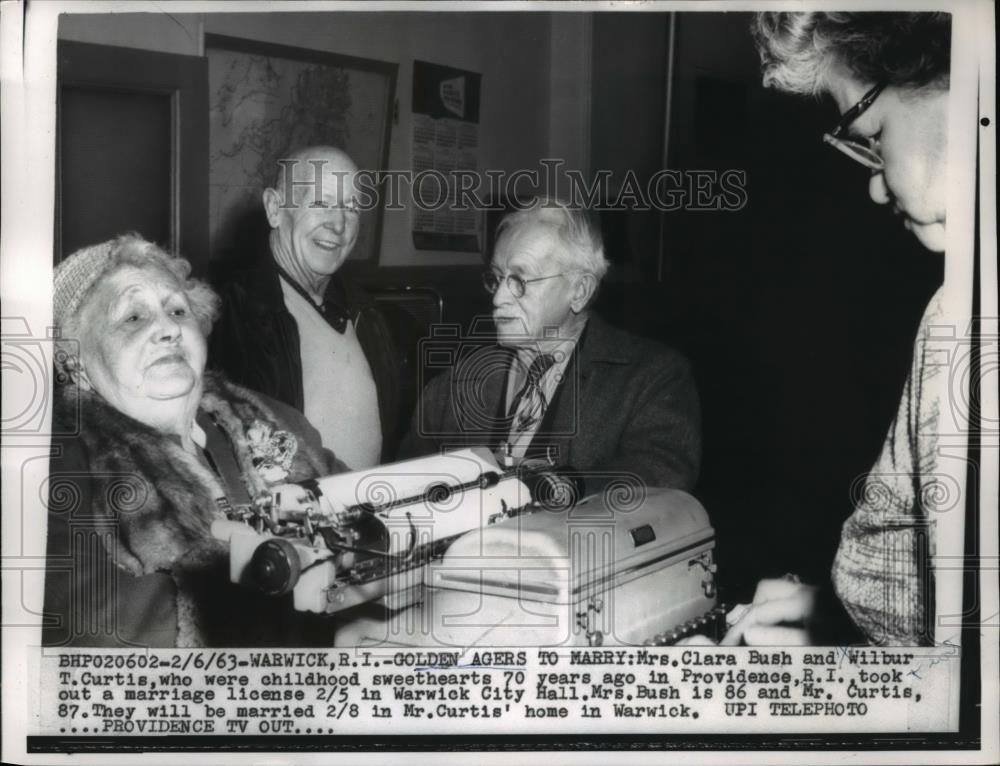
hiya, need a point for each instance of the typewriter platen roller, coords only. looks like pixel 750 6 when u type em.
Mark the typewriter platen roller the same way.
pixel 456 551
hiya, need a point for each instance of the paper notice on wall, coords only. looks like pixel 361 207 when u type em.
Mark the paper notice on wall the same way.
pixel 445 158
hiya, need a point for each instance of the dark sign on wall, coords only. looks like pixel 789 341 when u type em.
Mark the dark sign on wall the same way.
pixel 445 144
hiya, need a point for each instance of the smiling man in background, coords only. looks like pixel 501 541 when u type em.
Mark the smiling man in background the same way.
pixel 293 329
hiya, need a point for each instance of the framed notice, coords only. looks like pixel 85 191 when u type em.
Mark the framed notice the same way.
pixel 445 150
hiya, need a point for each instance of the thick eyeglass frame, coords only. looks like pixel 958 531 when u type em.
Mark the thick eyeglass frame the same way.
pixel 517 285
pixel 857 151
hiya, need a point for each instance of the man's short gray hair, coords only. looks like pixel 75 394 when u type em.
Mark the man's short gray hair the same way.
pixel 78 275
pixel 581 244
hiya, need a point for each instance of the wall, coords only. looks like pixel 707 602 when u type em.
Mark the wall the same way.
pixel 627 127
pixel 532 104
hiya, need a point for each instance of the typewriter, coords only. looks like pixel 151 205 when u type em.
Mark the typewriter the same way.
pixel 457 550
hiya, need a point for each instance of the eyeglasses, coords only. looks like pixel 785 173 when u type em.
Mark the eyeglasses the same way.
pixel 517 285
pixel 865 153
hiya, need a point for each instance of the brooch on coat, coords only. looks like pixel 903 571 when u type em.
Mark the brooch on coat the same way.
pixel 271 451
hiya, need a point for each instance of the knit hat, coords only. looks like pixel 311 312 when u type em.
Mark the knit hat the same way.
pixel 75 276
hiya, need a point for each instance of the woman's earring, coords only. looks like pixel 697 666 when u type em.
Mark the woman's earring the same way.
pixel 76 373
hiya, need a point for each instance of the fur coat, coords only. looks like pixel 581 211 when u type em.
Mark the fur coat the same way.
pixel 160 502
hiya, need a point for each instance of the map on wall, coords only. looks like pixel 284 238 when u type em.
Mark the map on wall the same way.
pixel 266 101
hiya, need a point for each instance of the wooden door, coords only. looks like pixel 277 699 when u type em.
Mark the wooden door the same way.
pixel 132 151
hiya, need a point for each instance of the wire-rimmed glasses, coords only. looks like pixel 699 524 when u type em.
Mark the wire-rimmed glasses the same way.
pixel 517 285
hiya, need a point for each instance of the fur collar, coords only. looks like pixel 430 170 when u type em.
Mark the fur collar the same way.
pixel 162 500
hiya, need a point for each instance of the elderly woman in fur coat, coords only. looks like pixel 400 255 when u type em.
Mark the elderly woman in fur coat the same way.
pixel 150 450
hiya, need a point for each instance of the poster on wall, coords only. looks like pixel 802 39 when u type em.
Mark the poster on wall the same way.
pixel 445 150
pixel 266 101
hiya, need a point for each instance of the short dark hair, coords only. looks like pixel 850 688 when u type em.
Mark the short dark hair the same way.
pixel 906 50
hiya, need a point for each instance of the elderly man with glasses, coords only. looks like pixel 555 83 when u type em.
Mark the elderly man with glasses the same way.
pixel 561 385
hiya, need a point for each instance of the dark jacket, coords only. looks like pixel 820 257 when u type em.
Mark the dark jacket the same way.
pixel 627 405
pixel 256 340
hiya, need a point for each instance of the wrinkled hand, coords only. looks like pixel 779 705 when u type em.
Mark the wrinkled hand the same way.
pixel 778 615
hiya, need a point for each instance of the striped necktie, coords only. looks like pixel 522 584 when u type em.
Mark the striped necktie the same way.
pixel 528 407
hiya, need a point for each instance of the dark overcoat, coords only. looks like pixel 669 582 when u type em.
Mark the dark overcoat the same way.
pixel 626 406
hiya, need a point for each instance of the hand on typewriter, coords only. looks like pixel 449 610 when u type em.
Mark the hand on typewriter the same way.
pixel 779 615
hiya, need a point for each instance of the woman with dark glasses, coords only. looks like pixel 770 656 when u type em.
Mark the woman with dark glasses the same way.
pixel 889 76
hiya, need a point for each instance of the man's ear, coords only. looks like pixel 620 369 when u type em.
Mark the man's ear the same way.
pixel 272 206
pixel 583 292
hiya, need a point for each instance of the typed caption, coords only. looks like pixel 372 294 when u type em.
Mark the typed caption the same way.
pixel 612 690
